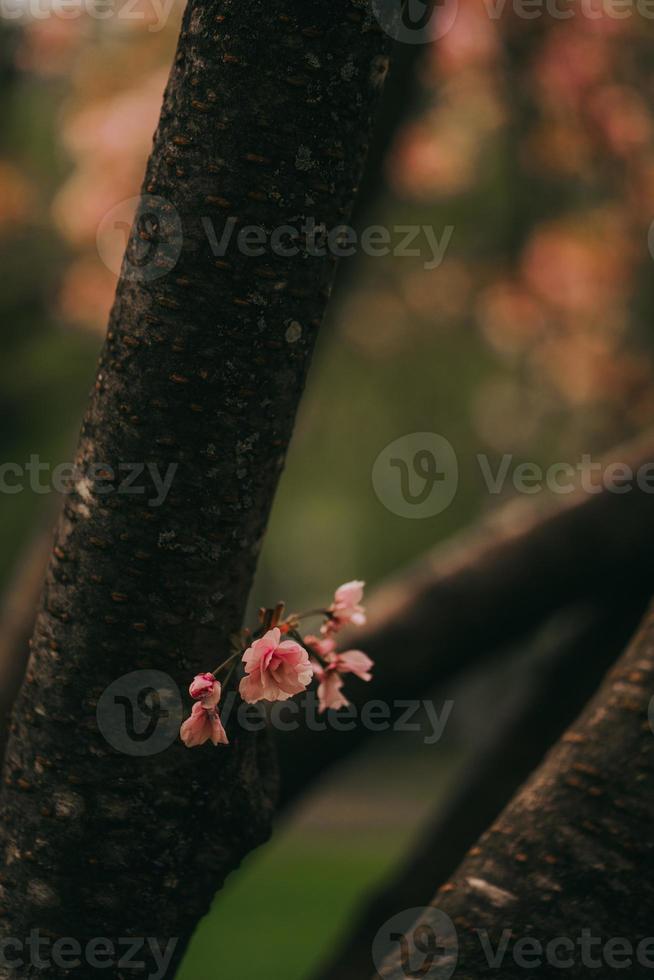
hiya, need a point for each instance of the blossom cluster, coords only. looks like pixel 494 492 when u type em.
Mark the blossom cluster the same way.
pixel 279 663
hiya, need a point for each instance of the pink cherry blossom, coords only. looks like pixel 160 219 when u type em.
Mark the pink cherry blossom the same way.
pixel 204 725
pixel 324 647
pixel 354 662
pixel 329 689
pixel 350 662
pixel 275 670
pixel 330 672
pixel 346 607
pixel 207 689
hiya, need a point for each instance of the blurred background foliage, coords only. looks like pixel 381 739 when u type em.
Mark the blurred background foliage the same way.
pixel 534 140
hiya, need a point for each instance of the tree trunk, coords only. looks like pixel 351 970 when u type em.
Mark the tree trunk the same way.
pixel 570 858
pixel 266 118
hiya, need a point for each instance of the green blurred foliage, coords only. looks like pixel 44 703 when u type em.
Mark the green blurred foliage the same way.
pixel 45 369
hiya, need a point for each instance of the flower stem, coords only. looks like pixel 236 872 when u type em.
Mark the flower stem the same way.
pixel 226 662
pixel 229 675
pixel 313 612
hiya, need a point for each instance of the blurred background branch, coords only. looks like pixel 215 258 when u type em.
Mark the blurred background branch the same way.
pixel 565 663
pixel 462 603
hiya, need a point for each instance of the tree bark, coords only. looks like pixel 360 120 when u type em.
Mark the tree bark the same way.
pixel 513 571
pixel 266 117
pixel 570 855
pixel 566 664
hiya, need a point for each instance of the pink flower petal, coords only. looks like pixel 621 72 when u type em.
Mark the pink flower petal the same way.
pixel 346 608
pixel 355 662
pixel 203 725
pixel 275 670
pixel 329 692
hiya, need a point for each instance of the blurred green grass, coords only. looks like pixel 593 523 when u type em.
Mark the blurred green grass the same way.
pixel 285 908
pixel 283 912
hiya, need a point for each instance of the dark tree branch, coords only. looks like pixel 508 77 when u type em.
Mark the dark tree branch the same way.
pixel 266 117
pixel 462 603
pixel 567 672
pixel 573 849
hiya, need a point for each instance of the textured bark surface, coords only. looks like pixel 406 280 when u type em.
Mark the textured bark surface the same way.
pixel 574 850
pixel 567 662
pixel 266 117
pixel 465 601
